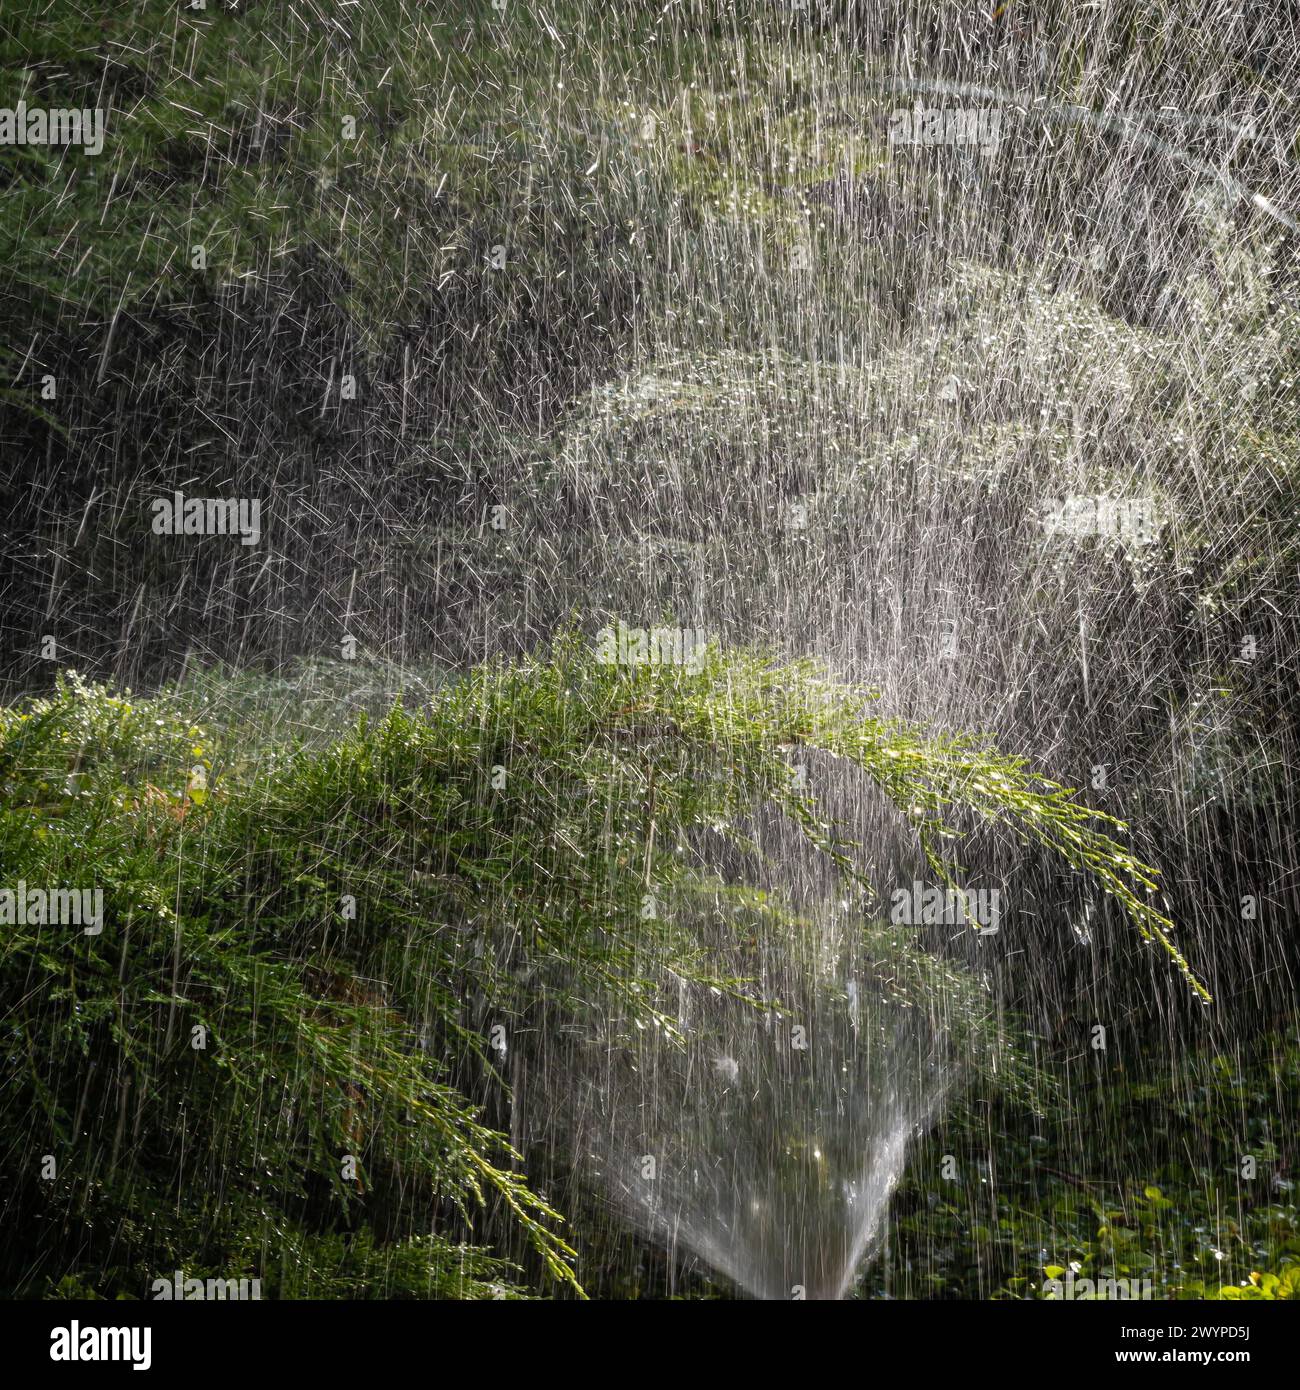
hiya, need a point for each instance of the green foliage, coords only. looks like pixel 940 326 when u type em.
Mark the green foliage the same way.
pixel 84 740
pixel 1284 1284
pixel 1145 1183
pixel 201 1068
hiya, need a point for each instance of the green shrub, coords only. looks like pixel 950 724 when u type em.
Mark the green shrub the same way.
pixel 276 1043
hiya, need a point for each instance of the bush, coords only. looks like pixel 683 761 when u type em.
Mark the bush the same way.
pixel 274 1059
